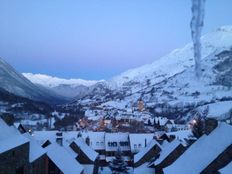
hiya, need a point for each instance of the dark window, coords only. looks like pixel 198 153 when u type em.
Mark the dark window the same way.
pixel 20 170
pixel 13 153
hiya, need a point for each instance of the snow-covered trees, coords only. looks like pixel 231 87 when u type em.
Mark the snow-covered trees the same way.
pixel 118 165
pixel 196 27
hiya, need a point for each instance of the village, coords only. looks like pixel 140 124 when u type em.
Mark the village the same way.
pixel 134 119
pixel 91 152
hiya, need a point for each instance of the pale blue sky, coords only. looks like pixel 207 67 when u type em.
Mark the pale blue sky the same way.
pixel 97 39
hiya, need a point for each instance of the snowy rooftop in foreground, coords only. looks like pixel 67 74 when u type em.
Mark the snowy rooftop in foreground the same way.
pixel 12 142
pixel 145 150
pixel 227 169
pixel 63 159
pixel 10 137
pixel 202 152
pixel 86 149
pixel 36 151
pixel 167 148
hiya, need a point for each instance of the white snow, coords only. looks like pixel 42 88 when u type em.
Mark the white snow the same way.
pixel 12 142
pixel 219 110
pixel 10 137
pixel 227 169
pixel 137 141
pixel 145 150
pixel 88 169
pixel 181 135
pixel 144 169
pixel 178 60
pixel 50 82
pixel 63 160
pixel 86 149
pixel 36 151
pixel 166 149
pixel 202 152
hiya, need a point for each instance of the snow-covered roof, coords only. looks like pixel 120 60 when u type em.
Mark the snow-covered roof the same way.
pixel 42 136
pixel 115 140
pixel 227 169
pixel 145 150
pixel 137 141
pixel 167 148
pixel 7 131
pixel 181 135
pixel 86 149
pixel 10 137
pixel 12 142
pixel 36 151
pixel 204 151
pixel 97 139
pixel 144 169
pixel 88 169
pixel 63 160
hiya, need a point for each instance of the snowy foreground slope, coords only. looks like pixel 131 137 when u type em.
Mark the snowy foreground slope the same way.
pixel 169 86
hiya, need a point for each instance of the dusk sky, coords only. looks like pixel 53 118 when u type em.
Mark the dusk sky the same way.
pixel 97 39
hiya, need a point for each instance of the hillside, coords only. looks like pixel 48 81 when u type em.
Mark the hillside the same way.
pixel 16 83
pixel 168 86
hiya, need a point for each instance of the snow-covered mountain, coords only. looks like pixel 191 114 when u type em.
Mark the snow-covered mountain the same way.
pixel 16 83
pixel 168 85
pixel 178 60
pixel 65 87
pixel 51 82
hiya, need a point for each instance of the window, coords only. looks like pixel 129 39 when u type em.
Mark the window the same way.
pixel 135 146
pixel 20 170
pixel 13 153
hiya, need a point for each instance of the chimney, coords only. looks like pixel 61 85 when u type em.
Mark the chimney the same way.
pixel 210 125
pixel 145 142
pixel 59 138
pixel 87 141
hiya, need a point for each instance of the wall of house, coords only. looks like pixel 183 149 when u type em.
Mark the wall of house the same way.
pixel 38 166
pixel 15 161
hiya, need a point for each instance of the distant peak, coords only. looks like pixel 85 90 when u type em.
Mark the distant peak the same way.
pixel 51 81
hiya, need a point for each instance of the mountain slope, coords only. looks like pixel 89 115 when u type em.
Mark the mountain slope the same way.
pixel 168 86
pixel 16 83
pixel 178 60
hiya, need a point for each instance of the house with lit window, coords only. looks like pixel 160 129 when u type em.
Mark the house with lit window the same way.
pixel 115 141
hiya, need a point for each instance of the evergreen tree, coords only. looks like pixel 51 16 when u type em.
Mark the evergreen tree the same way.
pixel 118 165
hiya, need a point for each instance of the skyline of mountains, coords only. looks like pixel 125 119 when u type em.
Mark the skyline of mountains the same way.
pixel 159 84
